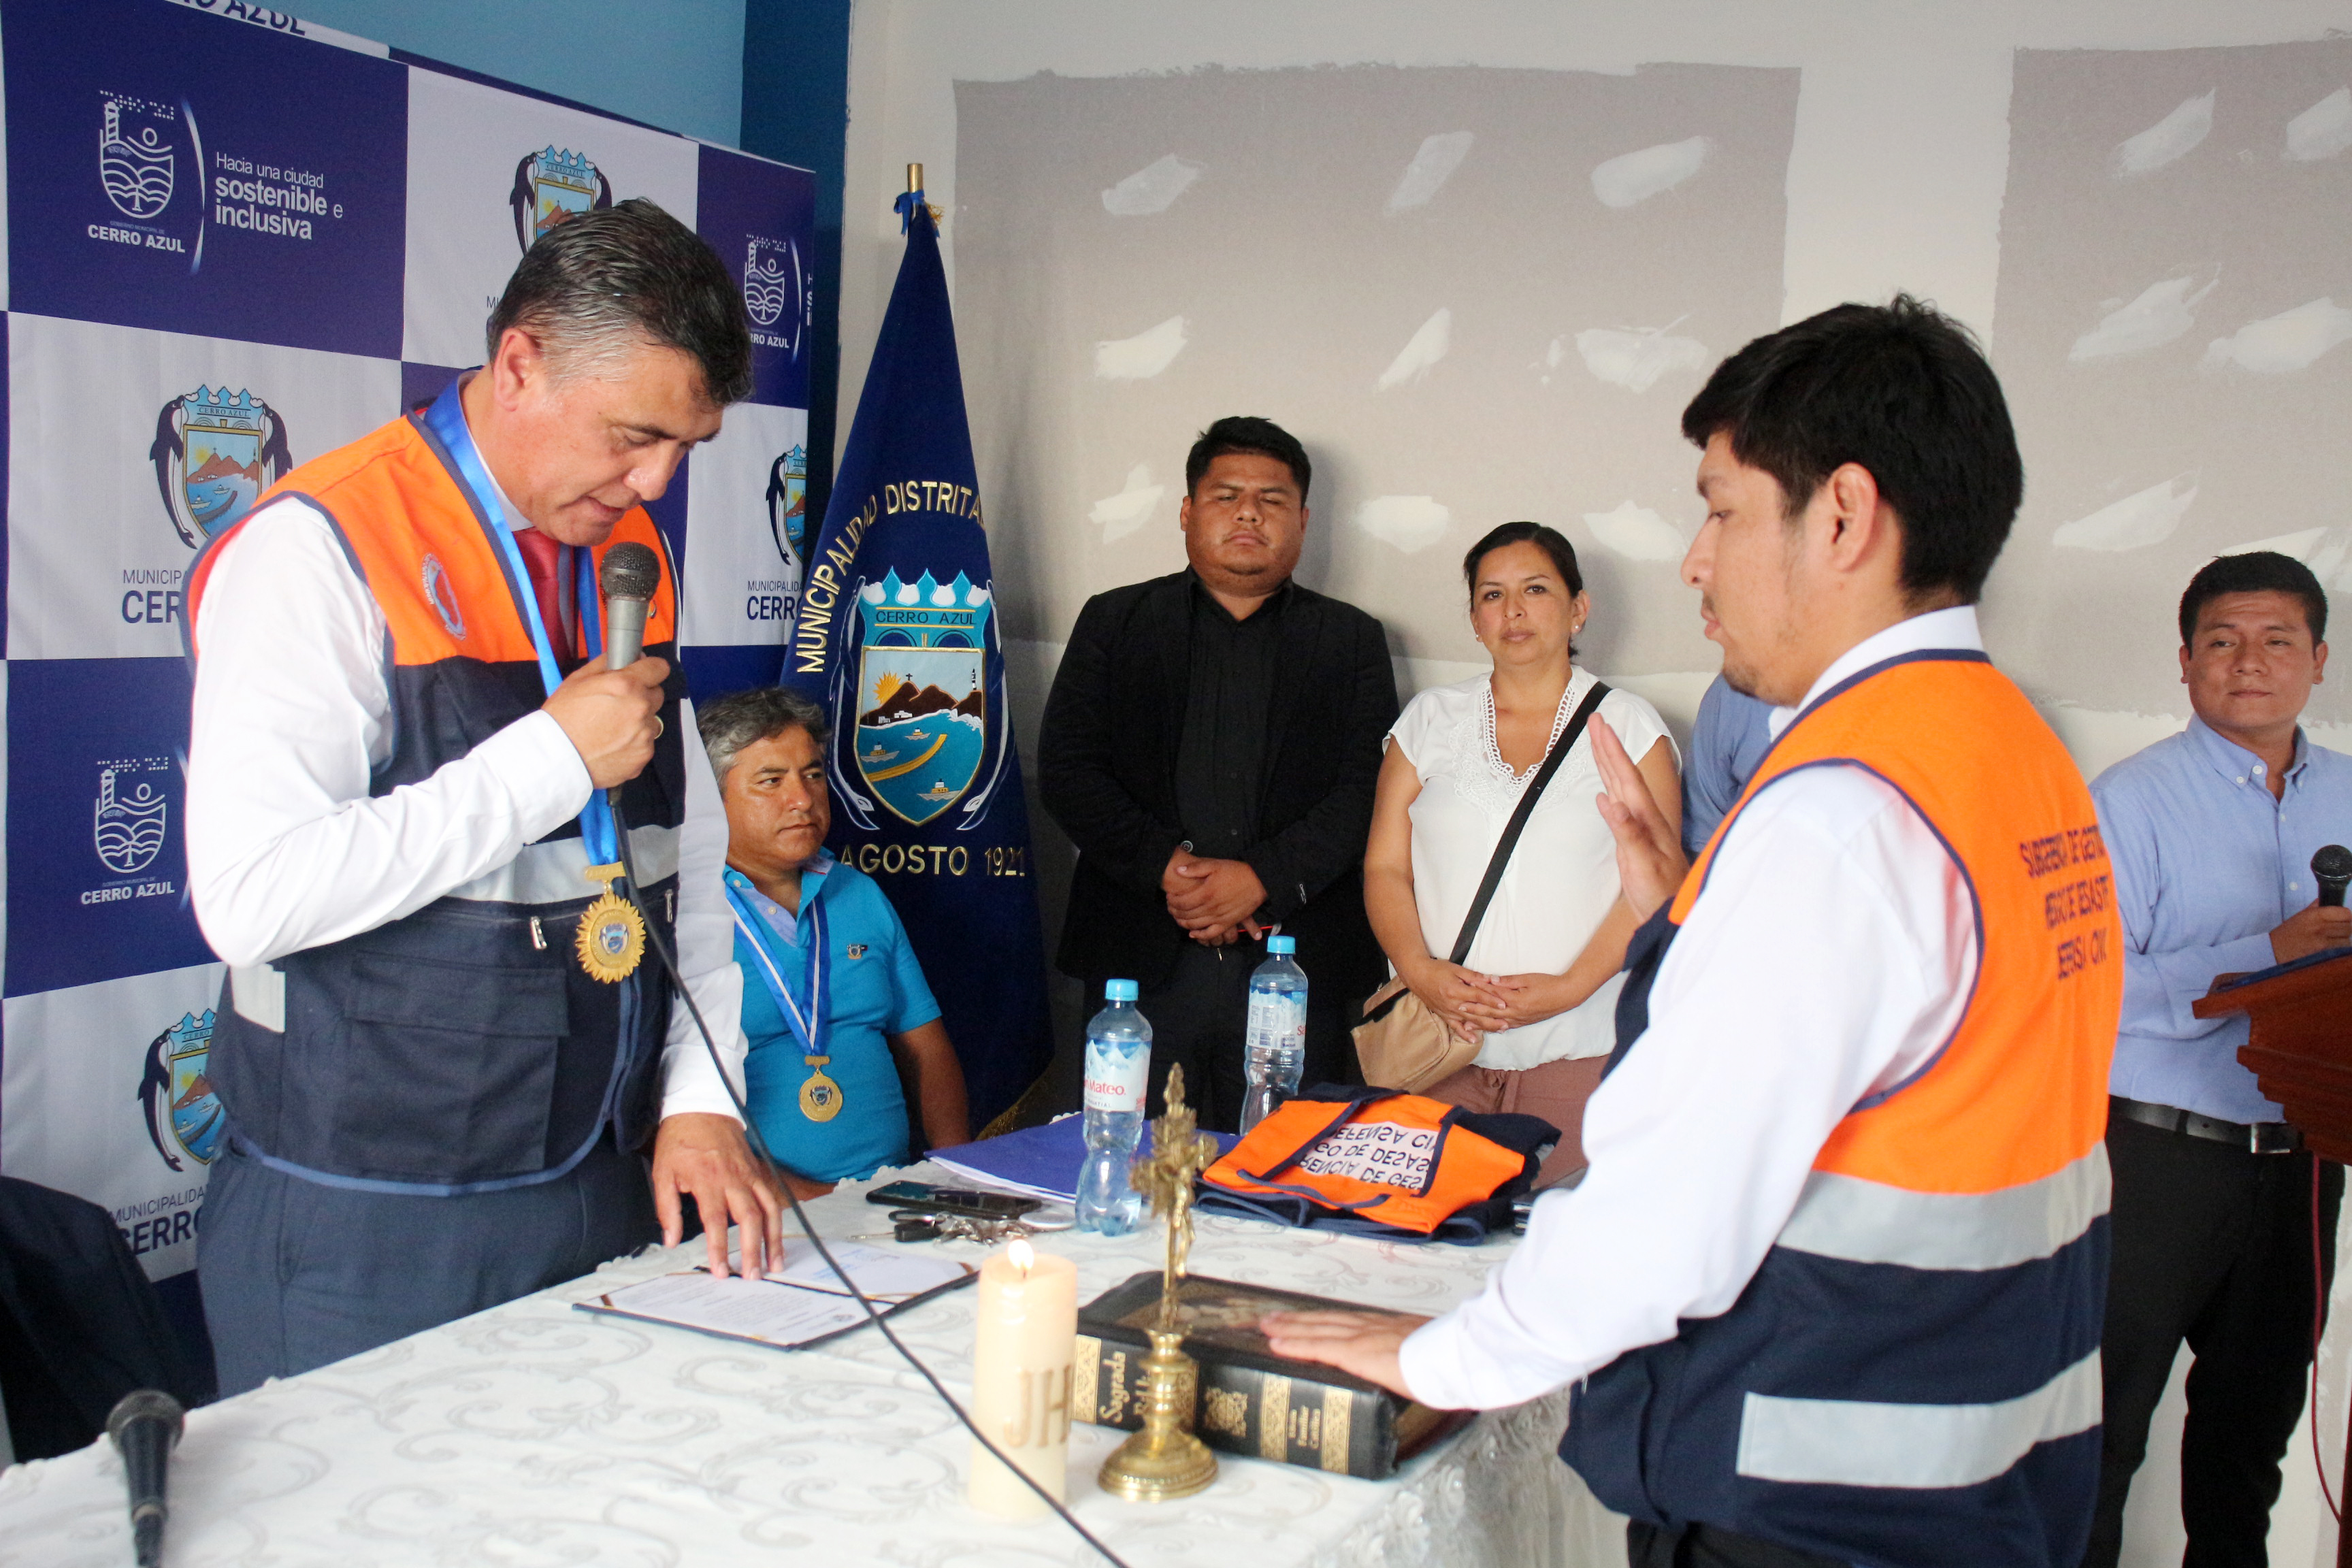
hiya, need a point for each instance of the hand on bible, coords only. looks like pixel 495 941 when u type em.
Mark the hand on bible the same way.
pixel 1650 861
pixel 1364 1343
pixel 1205 896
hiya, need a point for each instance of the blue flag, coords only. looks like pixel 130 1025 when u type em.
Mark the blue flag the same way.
pixel 897 636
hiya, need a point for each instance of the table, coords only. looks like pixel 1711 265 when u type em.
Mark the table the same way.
pixel 534 1435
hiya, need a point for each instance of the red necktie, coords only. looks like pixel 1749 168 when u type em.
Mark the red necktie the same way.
pixel 543 556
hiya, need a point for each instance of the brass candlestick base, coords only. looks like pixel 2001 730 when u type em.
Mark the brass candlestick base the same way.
pixel 1164 1460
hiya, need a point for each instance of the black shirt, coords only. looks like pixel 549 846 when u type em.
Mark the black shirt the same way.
pixel 1221 759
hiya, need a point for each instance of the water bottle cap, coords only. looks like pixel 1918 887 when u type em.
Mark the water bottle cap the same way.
pixel 1120 990
pixel 1280 946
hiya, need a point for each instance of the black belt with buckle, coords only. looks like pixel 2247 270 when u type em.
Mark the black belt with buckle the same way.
pixel 2254 1137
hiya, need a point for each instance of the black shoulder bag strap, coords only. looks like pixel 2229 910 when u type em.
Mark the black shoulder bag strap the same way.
pixel 1510 839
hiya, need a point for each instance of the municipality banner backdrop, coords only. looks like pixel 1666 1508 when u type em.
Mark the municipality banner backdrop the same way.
pixel 234 242
pixel 898 638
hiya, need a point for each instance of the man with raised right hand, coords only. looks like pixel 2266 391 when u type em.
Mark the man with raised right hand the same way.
pixel 1830 1291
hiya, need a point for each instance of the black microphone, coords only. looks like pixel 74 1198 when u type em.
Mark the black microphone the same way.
pixel 2332 869
pixel 630 574
pixel 145 1427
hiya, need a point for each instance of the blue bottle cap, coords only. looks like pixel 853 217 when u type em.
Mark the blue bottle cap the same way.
pixel 1280 946
pixel 1120 990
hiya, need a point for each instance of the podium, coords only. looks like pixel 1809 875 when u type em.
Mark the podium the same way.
pixel 2300 1053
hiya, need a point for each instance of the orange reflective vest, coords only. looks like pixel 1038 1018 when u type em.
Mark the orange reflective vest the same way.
pixel 1912 1376
pixel 1400 1162
pixel 460 1048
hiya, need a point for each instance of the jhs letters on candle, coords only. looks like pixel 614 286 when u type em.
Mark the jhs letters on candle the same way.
pixel 1042 1411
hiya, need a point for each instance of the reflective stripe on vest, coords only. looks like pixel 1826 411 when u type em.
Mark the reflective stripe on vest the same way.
pixel 1926 1323
pixel 460 1048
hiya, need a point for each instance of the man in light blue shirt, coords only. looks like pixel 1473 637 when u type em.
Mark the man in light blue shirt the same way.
pixel 845 1038
pixel 1730 736
pixel 2211 834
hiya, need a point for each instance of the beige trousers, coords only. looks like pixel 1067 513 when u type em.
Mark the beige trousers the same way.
pixel 1555 1090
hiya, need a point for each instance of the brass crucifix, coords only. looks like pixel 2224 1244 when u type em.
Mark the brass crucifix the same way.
pixel 1166 1460
pixel 1179 1153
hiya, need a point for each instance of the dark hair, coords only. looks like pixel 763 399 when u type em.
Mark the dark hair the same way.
pixel 2255 572
pixel 1549 540
pixel 600 281
pixel 1900 389
pixel 742 719
pixel 1247 433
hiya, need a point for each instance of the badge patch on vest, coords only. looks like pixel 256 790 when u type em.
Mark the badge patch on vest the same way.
pixel 443 596
pixel 612 939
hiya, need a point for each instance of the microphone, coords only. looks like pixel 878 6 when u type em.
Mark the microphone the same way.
pixel 630 574
pixel 145 1427
pixel 2332 869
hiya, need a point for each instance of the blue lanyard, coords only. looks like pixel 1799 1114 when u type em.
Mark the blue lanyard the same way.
pixel 446 419
pixel 812 1024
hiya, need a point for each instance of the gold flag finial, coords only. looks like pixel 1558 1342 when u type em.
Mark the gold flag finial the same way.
pixel 914 178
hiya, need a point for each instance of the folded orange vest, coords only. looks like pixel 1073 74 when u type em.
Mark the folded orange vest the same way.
pixel 1379 1163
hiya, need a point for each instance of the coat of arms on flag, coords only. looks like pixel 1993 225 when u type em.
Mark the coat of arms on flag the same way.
pixel 922 711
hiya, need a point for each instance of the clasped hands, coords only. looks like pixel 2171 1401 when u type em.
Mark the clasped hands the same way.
pixel 1650 867
pixel 1472 1003
pixel 1216 901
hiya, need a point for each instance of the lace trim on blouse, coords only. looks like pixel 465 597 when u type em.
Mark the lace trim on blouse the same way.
pixel 1493 786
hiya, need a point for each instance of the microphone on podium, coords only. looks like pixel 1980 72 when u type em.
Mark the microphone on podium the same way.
pixel 630 574
pixel 145 1427
pixel 2331 868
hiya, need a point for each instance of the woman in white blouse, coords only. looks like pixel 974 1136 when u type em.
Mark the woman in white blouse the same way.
pixel 1539 990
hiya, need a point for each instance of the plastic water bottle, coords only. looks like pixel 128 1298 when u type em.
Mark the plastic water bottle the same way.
pixel 1276 1043
pixel 1119 1068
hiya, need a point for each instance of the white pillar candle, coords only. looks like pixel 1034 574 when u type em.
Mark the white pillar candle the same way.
pixel 1021 1378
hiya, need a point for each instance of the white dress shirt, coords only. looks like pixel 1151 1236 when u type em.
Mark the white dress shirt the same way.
pixel 1832 956
pixel 287 850
pixel 1560 881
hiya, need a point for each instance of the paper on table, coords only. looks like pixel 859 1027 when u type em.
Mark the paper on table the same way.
pixel 741 1308
pixel 884 1273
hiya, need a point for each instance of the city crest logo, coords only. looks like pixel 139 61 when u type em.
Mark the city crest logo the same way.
pixel 137 163
pixel 215 453
pixel 141 143
pixel 128 822
pixel 550 186
pixel 775 293
pixel 788 505
pixel 181 1110
pixel 922 666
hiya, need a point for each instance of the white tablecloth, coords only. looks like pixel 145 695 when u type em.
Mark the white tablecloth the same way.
pixel 534 1435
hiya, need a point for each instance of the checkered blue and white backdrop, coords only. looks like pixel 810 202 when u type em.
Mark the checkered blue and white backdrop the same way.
pixel 234 242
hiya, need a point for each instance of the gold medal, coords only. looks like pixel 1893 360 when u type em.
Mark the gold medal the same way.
pixel 820 1096
pixel 612 940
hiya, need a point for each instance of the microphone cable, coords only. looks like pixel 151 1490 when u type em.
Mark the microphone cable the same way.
pixel 775 1170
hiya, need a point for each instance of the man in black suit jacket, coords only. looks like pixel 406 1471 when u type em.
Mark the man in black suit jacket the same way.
pixel 1211 746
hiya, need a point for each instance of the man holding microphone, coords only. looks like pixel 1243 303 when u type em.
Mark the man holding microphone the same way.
pixel 444 1045
pixel 1831 1290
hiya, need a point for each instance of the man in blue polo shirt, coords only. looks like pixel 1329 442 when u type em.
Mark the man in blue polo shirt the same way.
pixel 842 1028
pixel 2216 1202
